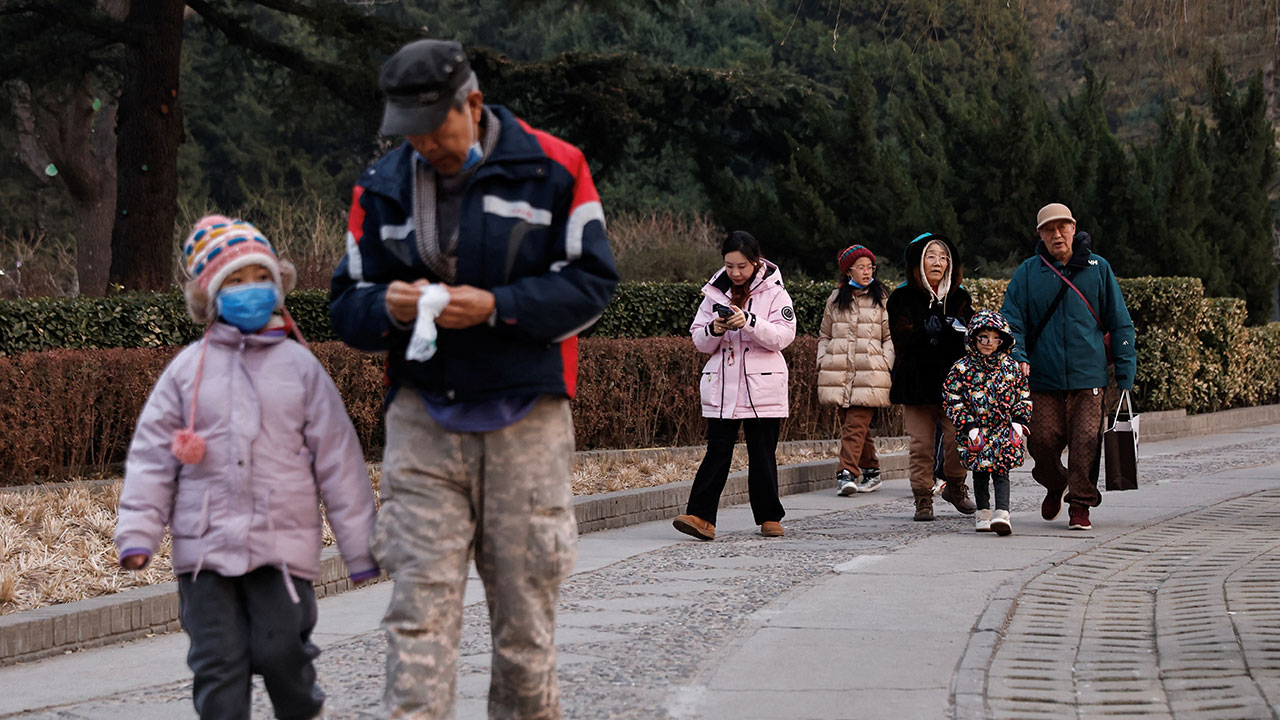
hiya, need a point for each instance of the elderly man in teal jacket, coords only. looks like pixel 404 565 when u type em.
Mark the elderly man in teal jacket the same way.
pixel 1064 307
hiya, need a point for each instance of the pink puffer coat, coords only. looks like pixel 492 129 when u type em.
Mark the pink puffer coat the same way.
pixel 746 375
pixel 278 439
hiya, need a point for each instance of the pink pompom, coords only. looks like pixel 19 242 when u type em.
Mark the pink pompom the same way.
pixel 188 447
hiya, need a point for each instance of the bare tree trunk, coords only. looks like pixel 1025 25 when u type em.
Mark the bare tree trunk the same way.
pixel 147 139
pixel 95 215
pixel 61 128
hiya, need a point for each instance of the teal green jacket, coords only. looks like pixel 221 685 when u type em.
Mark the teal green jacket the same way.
pixel 1069 353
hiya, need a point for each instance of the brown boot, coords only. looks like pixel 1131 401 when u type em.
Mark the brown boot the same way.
pixel 957 493
pixel 695 526
pixel 924 508
pixel 771 528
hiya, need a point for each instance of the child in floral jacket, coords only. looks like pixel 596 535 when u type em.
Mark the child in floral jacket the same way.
pixel 986 396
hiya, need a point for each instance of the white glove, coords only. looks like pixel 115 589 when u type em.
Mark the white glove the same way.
pixel 1019 430
pixel 973 435
pixel 423 343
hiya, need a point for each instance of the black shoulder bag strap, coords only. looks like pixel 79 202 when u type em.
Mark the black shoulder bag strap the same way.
pixel 1044 321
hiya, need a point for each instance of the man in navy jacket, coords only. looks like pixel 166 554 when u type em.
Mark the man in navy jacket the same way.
pixel 479 436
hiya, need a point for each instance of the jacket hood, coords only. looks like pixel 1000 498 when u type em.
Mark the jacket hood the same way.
pixel 915 253
pixel 768 274
pixel 988 320
pixel 1081 249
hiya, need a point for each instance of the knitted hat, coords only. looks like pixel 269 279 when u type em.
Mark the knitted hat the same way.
pixel 850 255
pixel 217 247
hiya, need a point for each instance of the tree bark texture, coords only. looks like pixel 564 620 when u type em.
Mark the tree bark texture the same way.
pixel 60 127
pixel 147 139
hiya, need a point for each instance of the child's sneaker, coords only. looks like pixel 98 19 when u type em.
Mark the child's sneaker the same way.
pixel 1000 522
pixel 845 484
pixel 982 521
pixel 870 480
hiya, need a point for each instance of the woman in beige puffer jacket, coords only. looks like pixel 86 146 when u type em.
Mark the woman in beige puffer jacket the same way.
pixel 855 356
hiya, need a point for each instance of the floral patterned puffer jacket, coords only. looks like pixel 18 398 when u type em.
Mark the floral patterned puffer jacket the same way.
pixel 990 393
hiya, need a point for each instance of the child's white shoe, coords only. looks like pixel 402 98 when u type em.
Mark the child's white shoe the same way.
pixel 982 521
pixel 1000 523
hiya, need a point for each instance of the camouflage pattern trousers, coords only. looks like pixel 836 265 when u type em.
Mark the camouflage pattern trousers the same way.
pixel 503 496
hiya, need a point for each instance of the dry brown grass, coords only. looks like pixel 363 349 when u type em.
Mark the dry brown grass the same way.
pixel 56 547
pixel 32 264
pixel 664 246
pixel 56 544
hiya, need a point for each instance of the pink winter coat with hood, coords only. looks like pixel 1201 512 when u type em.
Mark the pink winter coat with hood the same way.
pixel 278 440
pixel 746 375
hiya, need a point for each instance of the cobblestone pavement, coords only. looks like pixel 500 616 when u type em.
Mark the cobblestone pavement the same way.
pixel 1178 619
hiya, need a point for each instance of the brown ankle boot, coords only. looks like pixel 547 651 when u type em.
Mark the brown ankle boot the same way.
pixel 924 508
pixel 695 526
pixel 957 493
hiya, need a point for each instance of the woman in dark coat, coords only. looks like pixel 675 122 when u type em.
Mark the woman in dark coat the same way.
pixel 928 315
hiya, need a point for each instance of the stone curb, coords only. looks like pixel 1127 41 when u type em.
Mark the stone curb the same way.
pixel 44 632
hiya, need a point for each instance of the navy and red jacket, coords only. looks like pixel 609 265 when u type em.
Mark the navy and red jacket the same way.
pixel 532 232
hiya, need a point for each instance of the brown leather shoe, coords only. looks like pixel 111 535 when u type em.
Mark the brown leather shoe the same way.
pixel 695 526
pixel 924 508
pixel 771 528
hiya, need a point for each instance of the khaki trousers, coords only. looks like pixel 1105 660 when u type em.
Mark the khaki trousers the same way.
pixel 920 422
pixel 1070 420
pixel 504 496
pixel 857 449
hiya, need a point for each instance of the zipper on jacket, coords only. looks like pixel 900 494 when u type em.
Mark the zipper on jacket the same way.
pixel 722 379
pixel 747 382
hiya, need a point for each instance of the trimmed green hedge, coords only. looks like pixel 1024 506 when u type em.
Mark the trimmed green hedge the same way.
pixel 1193 352
pixel 641 309
pixel 129 320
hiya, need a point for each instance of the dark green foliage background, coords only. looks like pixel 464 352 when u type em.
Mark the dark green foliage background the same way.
pixel 814 125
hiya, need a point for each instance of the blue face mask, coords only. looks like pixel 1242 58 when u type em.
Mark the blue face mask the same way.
pixel 855 284
pixel 248 306
pixel 474 155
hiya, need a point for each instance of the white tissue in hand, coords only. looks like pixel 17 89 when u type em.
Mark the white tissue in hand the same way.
pixel 423 343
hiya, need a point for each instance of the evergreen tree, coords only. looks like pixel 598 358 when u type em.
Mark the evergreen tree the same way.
pixel 1240 153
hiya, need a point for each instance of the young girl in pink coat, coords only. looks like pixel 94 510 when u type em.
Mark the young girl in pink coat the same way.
pixel 744 322
pixel 241 437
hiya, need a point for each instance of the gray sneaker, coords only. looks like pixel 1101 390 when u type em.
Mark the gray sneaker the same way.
pixel 845 484
pixel 870 480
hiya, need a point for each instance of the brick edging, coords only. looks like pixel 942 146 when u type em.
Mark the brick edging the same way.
pixel 43 632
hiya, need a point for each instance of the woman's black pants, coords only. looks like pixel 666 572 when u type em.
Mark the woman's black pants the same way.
pixel 762 475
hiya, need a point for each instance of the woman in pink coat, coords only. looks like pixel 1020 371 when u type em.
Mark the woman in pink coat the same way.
pixel 743 323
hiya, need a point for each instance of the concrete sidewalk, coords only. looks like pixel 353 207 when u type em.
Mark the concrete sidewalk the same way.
pixel 858 612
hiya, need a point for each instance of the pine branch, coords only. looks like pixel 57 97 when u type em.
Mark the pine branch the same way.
pixel 81 16
pixel 348 84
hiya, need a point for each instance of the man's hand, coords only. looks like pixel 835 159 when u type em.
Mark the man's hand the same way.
pixel 1025 368
pixel 467 306
pixel 402 299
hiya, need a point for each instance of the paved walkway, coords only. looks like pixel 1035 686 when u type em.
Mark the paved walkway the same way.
pixel 1168 608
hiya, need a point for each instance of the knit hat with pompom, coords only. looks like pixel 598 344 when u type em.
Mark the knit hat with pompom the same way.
pixel 218 246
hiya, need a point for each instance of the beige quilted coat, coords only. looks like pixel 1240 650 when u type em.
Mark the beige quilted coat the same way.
pixel 855 354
